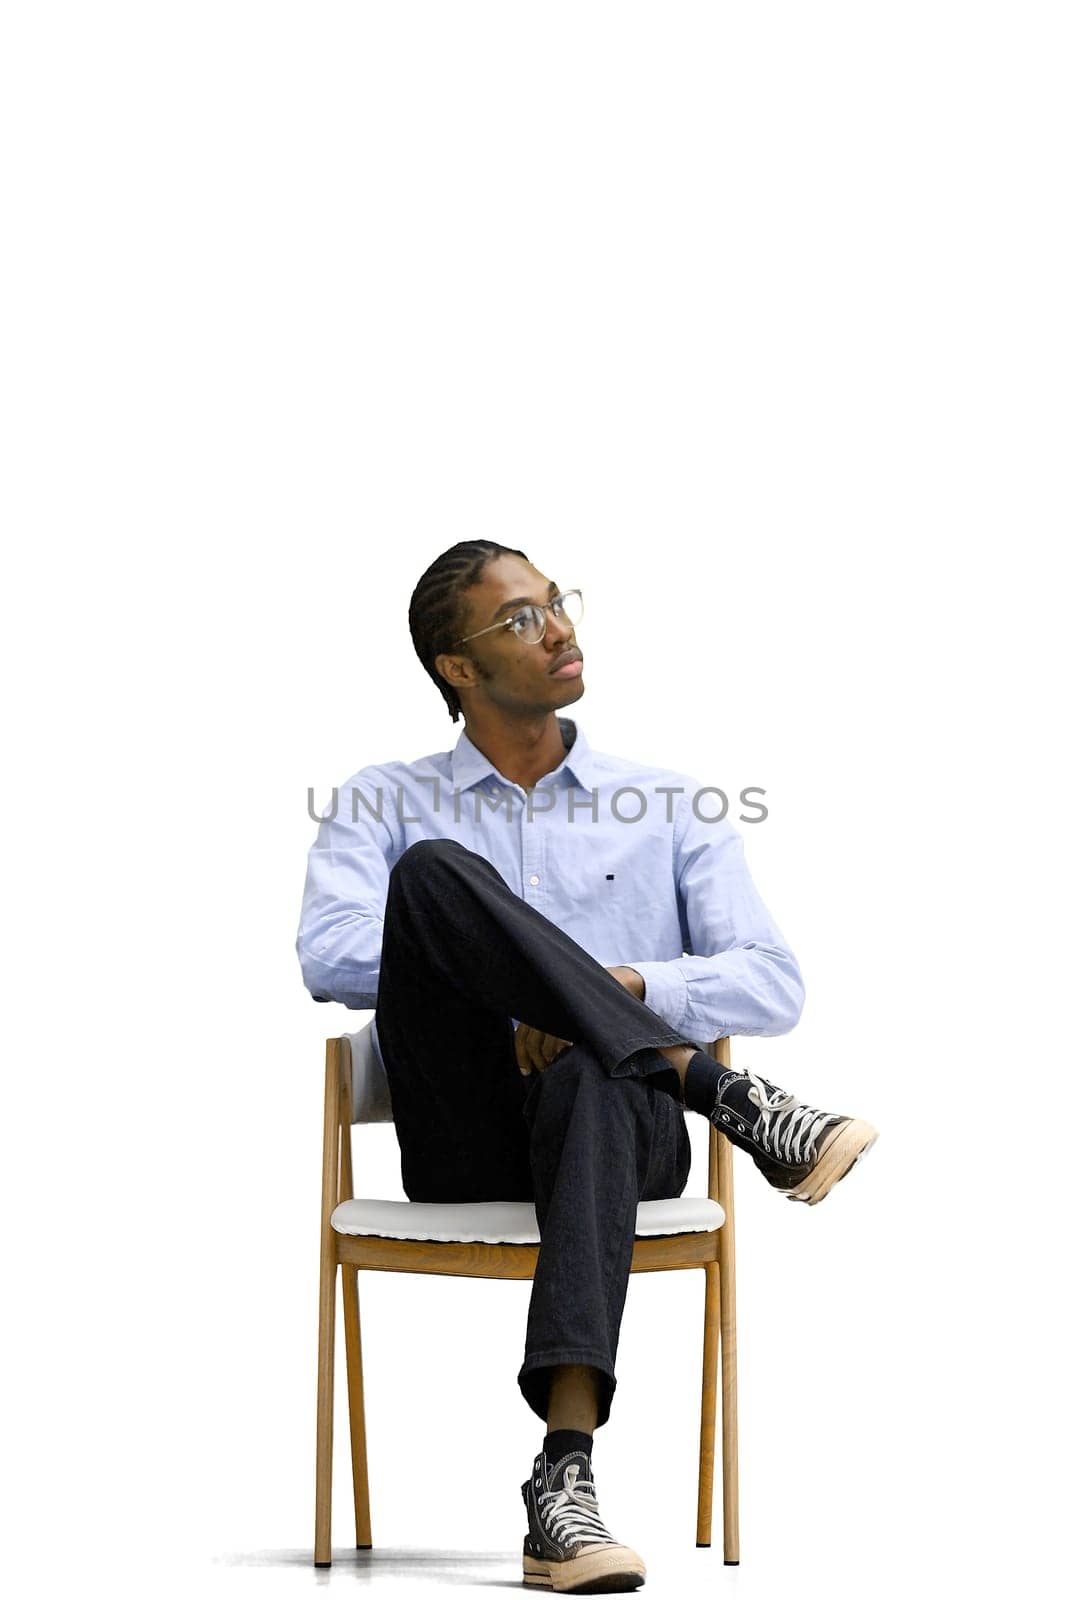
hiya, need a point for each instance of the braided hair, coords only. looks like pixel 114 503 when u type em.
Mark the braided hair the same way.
pixel 436 609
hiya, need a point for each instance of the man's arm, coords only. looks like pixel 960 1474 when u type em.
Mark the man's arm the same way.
pixel 339 941
pixel 742 977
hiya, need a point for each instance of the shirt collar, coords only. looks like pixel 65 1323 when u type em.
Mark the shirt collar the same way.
pixel 470 766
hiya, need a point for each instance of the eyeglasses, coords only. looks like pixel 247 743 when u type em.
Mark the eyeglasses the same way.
pixel 530 622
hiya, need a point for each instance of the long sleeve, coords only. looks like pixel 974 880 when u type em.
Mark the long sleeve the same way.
pixel 740 977
pixel 339 941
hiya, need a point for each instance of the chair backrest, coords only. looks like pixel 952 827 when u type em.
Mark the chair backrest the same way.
pixel 371 1101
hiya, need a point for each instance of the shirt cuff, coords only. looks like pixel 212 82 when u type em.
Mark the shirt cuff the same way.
pixel 666 992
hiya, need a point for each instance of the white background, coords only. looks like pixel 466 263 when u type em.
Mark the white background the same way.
pixel 747 319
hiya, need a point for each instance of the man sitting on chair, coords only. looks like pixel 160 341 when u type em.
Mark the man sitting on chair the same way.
pixel 547 936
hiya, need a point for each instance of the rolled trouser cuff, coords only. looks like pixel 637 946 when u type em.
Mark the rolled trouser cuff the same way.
pixel 535 1379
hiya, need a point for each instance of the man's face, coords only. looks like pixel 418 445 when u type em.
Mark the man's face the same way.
pixel 500 666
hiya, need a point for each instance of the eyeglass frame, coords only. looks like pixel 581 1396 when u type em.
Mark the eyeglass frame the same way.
pixel 530 605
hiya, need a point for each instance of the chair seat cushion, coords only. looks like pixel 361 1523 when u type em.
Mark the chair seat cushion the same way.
pixel 505 1221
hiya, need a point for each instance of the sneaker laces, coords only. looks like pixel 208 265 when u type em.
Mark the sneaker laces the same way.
pixel 789 1138
pixel 571 1514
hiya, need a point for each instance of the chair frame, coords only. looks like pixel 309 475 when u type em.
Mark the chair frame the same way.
pixel 713 1252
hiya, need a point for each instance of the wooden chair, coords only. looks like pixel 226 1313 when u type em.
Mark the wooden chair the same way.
pixel 499 1240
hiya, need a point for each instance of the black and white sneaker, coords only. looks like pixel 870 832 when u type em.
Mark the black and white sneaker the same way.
pixel 799 1150
pixel 568 1549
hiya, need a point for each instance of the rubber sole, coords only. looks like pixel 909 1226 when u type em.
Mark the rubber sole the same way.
pixel 607 1569
pixel 849 1144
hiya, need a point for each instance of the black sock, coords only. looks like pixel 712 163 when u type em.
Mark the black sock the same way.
pixel 561 1441
pixel 702 1079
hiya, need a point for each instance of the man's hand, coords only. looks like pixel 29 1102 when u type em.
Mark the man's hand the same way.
pixel 630 980
pixel 535 1051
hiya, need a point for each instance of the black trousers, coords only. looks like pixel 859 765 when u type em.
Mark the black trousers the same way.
pixel 600 1129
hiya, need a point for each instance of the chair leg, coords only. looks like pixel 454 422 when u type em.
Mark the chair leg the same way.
pixel 730 1521
pixel 708 1385
pixel 357 1422
pixel 324 1419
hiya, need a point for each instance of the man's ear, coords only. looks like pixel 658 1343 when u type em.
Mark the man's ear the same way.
pixel 457 671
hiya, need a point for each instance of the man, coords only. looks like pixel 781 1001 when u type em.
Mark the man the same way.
pixel 548 935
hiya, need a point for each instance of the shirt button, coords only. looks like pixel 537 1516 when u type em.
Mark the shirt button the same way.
pixel 494 791
pixel 534 879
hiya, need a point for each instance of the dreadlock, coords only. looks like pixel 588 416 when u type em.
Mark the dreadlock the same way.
pixel 435 613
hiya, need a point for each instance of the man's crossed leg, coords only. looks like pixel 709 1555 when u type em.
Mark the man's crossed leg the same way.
pixel 599 1129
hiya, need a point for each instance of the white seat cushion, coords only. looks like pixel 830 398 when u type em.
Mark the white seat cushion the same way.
pixel 505 1221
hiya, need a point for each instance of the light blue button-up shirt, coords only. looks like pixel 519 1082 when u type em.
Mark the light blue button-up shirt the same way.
pixel 626 858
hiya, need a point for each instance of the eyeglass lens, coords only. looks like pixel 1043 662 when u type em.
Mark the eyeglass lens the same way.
pixel 530 624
